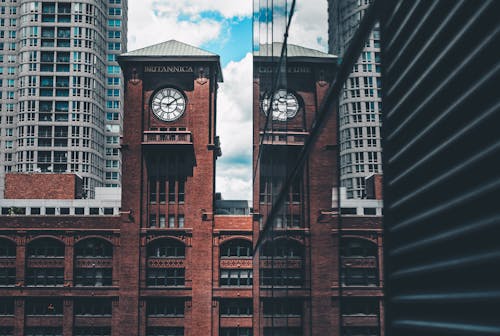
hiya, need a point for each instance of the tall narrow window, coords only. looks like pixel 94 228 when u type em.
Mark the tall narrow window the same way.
pixel 181 190
pixel 171 190
pixel 163 196
pixel 152 190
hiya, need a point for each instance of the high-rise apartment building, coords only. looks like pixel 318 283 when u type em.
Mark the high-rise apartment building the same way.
pixel 360 103
pixel 61 89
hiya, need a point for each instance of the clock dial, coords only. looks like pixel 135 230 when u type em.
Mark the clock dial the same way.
pixel 284 105
pixel 168 104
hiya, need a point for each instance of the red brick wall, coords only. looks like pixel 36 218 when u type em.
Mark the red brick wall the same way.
pixel 374 187
pixel 225 222
pixel 42 186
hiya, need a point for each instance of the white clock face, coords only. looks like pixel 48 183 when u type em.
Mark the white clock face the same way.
pixel 284 105
pixel 168 104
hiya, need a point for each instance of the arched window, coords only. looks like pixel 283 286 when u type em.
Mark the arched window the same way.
pixel 166 248
pixel 282 248
pixel 159 274
pixel 355 247
pixel 7 274
pixel 45 248
pixel 91 275
pixel 7 248
pixel 362 269
pixel 236 248
pixel 48 274
pixel 94 248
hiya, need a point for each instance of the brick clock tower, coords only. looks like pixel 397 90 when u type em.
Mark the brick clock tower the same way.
pixel 169 150
pixel 292 283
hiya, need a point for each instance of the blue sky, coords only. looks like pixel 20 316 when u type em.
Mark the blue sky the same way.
pixel 224 27
pixel 236 44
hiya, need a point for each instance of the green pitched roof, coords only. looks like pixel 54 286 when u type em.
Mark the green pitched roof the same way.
pixel 293 51
pixel 170 48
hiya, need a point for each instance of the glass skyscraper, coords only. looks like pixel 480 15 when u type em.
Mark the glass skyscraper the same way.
pixel 61 89
pixel 360 104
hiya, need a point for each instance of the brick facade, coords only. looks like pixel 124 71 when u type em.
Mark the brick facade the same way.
pixel 42 186
pixel 167 264
pixel 327 294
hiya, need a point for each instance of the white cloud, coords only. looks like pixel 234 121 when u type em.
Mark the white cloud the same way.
pixel 228 9
pixel 153 21
pixel 234 172
pixel 309 26
pixel 145 28
pixel 234 181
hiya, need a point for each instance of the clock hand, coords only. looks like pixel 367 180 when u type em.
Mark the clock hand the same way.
pixel 173 101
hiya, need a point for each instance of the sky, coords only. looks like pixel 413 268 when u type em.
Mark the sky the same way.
pixel 224 27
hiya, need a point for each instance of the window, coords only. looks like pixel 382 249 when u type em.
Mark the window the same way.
pixel 236 248
pixel 92 307
pixel 166 248
pixel 92 331
pixel 282 277
pixel 239 331
pixel 114 11
pixel 93 277
pixel 282 331
pixel 359 277
pixel 165 277
pixel 165 307
pixel 360 306
pixel 93 248
pixel 352 247
pixel 6 307
pixel 45 276
pixel 236 277
pixel 45 306
pixel 7 276
pixel 360 331
pixel 236 307
pixel 282 307
pixel 165 331
pixel 46 248
pixel 152 221
pixel 43 331
pixel 282 248
pixel 7 249
pixel 369 211
pixel 172 192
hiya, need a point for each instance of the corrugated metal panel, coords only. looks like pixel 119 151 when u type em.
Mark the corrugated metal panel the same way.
pixel 442 167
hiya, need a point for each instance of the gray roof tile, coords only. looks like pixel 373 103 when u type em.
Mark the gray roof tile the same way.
pixel 170 48
pixel 266 50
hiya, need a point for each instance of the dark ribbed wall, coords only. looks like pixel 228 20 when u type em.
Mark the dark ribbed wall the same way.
pixel 441 152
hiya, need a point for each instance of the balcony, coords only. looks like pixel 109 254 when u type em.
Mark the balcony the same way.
pixel 167 138
pixel 290 138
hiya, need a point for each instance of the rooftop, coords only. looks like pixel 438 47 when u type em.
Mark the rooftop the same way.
pixel 170 48
pixel 172 51
pixel 293 51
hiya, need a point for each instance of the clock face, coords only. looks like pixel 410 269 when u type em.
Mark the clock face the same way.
pixel 168 104
pixel 284 105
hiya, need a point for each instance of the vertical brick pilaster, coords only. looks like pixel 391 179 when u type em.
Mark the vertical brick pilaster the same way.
pixel 67 317
pixel 19 314
pixel 21 259
pixel 69 259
